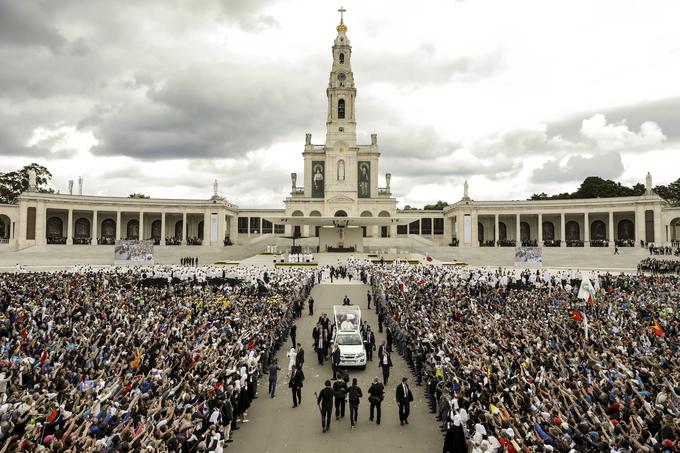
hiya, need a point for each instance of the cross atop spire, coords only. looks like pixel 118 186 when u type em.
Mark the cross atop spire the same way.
pixel 342 27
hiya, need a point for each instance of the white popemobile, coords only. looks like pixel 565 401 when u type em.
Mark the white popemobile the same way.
pixel 347 336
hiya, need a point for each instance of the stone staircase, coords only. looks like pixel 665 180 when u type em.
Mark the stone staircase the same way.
pixel 553 257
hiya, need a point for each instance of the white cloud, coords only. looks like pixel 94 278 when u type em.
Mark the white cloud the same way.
pixel 213 88
pixel 608 136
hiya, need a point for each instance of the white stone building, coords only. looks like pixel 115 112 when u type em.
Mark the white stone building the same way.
pixel 340 201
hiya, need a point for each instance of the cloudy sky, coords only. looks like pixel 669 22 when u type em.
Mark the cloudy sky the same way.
pixel 164 96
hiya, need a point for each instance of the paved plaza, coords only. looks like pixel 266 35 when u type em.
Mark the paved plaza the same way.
pixel 276 427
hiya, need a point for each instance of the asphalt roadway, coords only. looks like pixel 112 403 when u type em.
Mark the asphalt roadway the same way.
pixel 275 426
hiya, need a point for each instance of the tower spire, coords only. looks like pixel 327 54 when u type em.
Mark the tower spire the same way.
pixel 342 27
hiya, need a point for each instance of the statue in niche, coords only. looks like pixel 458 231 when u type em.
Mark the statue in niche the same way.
pixel 341 170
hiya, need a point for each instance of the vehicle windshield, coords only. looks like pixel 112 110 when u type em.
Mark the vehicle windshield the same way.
pixel 351 340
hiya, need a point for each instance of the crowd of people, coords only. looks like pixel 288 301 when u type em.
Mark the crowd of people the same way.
pixel 167 358
pixel 157 358
pixel 188 261
pixel 663 250
pixel 516 361
pixel 659 266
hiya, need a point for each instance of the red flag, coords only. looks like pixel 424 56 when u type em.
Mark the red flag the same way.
pixel 576 315
pixel 657 329
pixel 52 416
pixel 43 357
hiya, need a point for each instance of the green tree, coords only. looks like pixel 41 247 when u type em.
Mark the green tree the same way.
pixel 438 206
pixel 670 193
pixel 408 207
pixel 596 187
pixel 14 183
pixel 138 195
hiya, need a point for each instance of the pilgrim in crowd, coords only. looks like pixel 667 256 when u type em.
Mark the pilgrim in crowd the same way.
pixel 539 361
pixel 158 358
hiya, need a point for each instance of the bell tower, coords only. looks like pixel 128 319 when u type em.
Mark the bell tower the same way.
pixel 341 93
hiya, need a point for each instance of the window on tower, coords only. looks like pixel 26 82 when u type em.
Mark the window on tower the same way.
pixel 341 58
pixel 341 109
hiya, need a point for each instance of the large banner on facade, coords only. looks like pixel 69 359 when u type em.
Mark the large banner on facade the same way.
pixel 364 179
pixel 528 256
pixel 133 252
pixel 318 178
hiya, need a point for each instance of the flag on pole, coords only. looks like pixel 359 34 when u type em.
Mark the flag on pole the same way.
pixel 586 291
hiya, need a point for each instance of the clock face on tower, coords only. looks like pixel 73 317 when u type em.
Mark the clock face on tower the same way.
pixel 342 76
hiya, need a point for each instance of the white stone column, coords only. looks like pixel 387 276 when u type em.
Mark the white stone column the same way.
pixel 611 229
pixel 141 226
pixel 639 226
pixel 586 230
pixel 221 227
pixel 474 219
pixel 563 234
pixel 184 228
pixel 40 224
pixel 659 239
pixel 69 228
pixel 94 232
pixel 518 235
pixel 496 234
pixel 233 229
pixel 119 227
pixel 460 226
pixel 448 230
pixel 206 228
pixel 163 233
pixel 540 230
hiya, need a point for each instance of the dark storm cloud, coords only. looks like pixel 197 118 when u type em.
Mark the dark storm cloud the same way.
pixel 28 23
pixel 577 168
pixel 183 114
pixel 204 114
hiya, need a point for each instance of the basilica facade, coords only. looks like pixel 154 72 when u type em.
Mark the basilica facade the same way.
pixel 339 200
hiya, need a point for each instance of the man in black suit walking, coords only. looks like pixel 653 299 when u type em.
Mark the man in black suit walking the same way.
pixel 295 385
pixel 300 357
pixel 325 398
pixel 376 392
pixel 335 360
pixel 321 348
pixel 369 343
pixel 293 333
pixel 404 398
pixel 386 364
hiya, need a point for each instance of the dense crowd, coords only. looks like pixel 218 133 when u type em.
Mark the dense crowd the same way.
pixel 159 358
pixel 517 362
pixel 657 266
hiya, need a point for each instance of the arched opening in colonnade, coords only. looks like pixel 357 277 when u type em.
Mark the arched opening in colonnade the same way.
pixel 674 233
pixel 297 231
pixel 317 227
pixel 363 228
pixel 5 228
pixel 384 230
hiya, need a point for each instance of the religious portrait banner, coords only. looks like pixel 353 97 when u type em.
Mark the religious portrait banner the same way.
pixel 318 178
pixel 528 256
pixel 364 179
pixel 133 252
